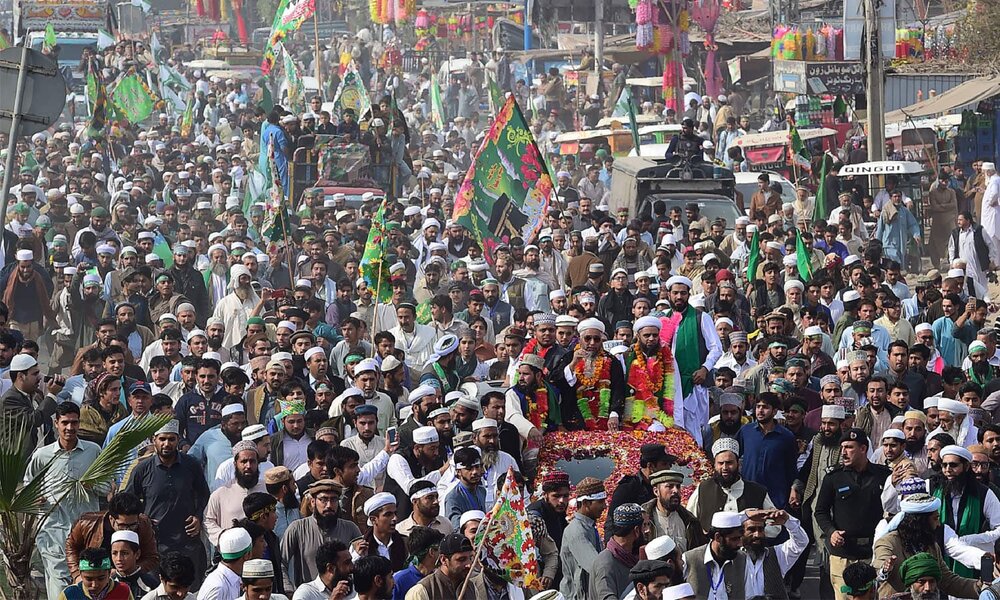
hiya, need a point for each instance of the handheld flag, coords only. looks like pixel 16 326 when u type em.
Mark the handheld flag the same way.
pixel 437 107
pixel 351 93
pixel 496 95
pixel 97 94
pixel 506 538
pixel 754 259
pixel 132 98
pixel 820 211
pixel 802 258
pixel 373 266
pixel 288 18
pixel 50 36
pixel 799 153
pixel 275 225
pixel 507 189
pixel 633 125
pixel 295 99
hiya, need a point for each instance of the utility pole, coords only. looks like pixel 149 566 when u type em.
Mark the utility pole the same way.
pixel 875 94
pixel 598 37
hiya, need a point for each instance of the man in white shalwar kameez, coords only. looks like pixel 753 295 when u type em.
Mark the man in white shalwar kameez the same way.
pixel 966 251
pixel 237 306
pixel 694 331
pixel 991 201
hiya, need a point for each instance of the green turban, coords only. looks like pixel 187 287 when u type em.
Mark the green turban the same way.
pixel 918 566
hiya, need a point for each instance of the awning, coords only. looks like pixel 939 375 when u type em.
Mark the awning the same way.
pixel 967 93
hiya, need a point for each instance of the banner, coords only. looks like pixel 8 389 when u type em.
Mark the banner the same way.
pixel 97 95
pixel 507 541
pixel 132 98
pixel 288 18
pixel 351 93
pixel 373 266
pixel 507 189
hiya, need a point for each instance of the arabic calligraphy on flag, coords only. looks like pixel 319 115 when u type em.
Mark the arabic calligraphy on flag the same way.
pixel 288 18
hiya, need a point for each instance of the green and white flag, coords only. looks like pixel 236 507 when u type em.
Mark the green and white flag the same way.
pixel 351 93
pixel 132 98
pixel 295 101
pixel 437 107
pixel 104 39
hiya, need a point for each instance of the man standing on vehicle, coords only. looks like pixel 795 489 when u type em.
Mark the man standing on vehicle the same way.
pixel 764 202
pixel 686 144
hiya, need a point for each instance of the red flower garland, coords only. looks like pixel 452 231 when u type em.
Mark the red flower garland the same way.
pixel 594 392
pixel 622 447
pixel 538 408
pixel 652 387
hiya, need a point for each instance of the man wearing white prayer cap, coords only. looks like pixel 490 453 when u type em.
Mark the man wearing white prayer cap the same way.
pixel 597 378
pixel 486 438
pixel 720 561
pixel 421 460
pixel 648 346
pixel 683 591
pixel 235 546
pixel 30 298
pixel 696 348
pixel 953 418
pixel 382 537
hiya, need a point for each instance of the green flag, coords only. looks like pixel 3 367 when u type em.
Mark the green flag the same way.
pixel 625 107
pixel 802 258
pixel 276 225
pixel 295 101
pixel 754 259
pixel 819 210
pixel 799 153
pixel 187 120
pixel 373 266
pixel 507 189
pixel 288 17
pixel 97 94
pixel 132 98
pixel 351 93
pixel 50 36
pixel 496 95
pixel 437 107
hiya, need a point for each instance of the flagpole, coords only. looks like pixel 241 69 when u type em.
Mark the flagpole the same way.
pixel 479 547
pixel 319 56
pixel 378 280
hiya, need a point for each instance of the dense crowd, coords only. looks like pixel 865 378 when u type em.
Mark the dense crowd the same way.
pixel 322 444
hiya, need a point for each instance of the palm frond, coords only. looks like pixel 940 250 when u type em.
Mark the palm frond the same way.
pixel 115 457
pixel 14 430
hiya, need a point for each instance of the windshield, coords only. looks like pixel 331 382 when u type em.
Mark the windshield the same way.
pixel 70 50
pixel 711 208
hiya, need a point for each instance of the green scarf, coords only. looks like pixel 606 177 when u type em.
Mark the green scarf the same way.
pixel 970 517
pixel 687 355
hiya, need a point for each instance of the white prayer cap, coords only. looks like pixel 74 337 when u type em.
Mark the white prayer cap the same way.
pixel 125 536
pixel 774 246
pixel 314 351
pixel 484 423
pixel 365 365
pixel 660 547
pixel 851 259
pixel 411 211
pixel 667 239
pixel 679 279
pixel 556 294
pixel 954 450
pixel 988 166
pixel 437 412
pixel 378 501
pixel 708 258
pixel 425 435
pixel 789 260
pixel 471 515
pixel 794 284
pixel 286 325
pixel 833 411
pixel 744 220
pixel 25 255
pixel 146 235
pixel 678 592
pixel 421 391
pixel 234 543
pixel 282 356
pixel 931 402
pixel 258 568
pixel 253 433
pixel 921 327
pixel 895 434
pixel 955 274
pixel 851 295
pixel 567 321
pixel 591 323
pixel 953 406
pixel 232 409
pixel 725 444
pixel 727 520
pixel 812 331
pixel 647 321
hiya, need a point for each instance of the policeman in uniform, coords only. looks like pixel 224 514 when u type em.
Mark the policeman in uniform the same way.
pixel 686 144
pixel 849 506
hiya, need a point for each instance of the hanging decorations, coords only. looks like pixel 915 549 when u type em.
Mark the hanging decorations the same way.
pixel 918 44
pixel 706 14
pixel 790 42
pixel 644 25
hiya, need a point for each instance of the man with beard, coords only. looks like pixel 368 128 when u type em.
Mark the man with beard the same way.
pixel 667 516
pixel 445 582
pixel 914 536
pixel 486 438
pixel 165 299
pixel 737 358
pixel 225 505
pixel 757 377
pixel 973 506
pixel 422 460
pixel 215 445
pixel 440 419
pixel 441 365
pixel 980 371
pixel 544 342
pixel 767 565
pixel 731 418
pixel 174 493
pixel 215 330
pixel 552 506
pixel 334 573
pixel 591 381
pixel 720 561
pixel 726 490
pixel 426 510
pixel 281 485
pixel 468 493
pixel 237 306
pixel 86 307
pixel 189 282
pixel 537 283
pixel 423 399
pixel 915 434
pixel 366 378
pixel 532 404
pixel 136 336
pixel 769 450
pixel 847 517
pixel 612 565
pixel 312 537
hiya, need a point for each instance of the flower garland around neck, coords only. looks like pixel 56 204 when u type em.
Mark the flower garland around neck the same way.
pixel 533 347
pixel 652 383
pixel 538 407
pixel 593 396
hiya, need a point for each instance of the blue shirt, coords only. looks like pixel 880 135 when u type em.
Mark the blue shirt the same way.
pixel 211 449
pixel 461 499
pixel 769 459
pixel 405 580
pixel 837 248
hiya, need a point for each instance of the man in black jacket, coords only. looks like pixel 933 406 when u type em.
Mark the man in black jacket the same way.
pixel 190 283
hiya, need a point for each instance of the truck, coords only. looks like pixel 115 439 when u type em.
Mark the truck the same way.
pixel 75 22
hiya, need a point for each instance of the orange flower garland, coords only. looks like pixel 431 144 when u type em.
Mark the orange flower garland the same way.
pixel 593 396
